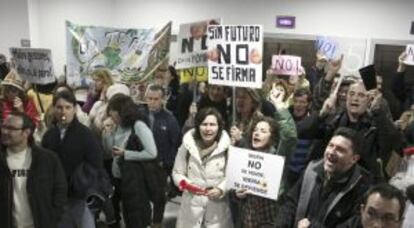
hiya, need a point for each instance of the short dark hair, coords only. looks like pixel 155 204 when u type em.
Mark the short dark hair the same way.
pixel 128 111
pixel 27 123
pixel 389 192
pixel 201 116
pixel 65 95
pixel 353 136
pixel 155 87
pixel 303 91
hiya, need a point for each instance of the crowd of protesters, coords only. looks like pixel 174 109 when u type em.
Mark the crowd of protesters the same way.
pixel 349 160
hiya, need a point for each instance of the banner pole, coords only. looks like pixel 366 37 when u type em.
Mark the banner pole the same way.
pixel 194 84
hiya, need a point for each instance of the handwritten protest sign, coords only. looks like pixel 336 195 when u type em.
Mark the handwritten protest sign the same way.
pixel 409 50
pixel 258 172
pixel 235 55
pixel 326 47
pixel 286 65
pixel 34 65
pixel 192 44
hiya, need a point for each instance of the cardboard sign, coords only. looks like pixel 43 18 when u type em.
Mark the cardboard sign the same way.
pixel 192 44
pixel 34 65
pixel 286 64
pixel 409 50
pixel 326 47
pixel 235 54
pixel 260 173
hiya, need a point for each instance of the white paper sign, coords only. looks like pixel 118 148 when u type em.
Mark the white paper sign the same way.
pixel 260 173
pixel 286 64
pixel 409 50
pixel 327 47
pixel 33 64
pixel 192 44
pixel 235 54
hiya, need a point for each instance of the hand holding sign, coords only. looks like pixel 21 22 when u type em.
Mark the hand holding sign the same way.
pixel 333 68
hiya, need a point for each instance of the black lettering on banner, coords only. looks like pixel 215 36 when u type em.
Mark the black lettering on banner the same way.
pixel 204 42
pixel 254 164
pixel 217 72
pixel 187 45
pixel 239 48
pixel 224 54
pixel 215 32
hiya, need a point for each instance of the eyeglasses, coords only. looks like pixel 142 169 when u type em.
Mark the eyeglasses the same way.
pixel 389 219
pixel 10 128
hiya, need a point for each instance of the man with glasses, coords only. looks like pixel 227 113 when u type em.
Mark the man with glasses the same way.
pixel 383 207
pixel 32 180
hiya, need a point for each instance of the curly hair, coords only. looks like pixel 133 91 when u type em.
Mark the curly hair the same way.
pixel 274 131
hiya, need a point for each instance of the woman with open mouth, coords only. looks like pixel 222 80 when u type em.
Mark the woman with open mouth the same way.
pixel 199 171
pixel 268 135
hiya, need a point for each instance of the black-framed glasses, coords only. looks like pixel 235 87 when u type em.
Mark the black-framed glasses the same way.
pixel 10 128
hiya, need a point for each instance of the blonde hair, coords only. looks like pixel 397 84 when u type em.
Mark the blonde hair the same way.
pixel 104 75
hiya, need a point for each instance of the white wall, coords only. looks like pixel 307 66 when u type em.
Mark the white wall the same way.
pixel 378 19
pixel 14 24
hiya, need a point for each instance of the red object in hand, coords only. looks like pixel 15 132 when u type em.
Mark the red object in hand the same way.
pixel 191 188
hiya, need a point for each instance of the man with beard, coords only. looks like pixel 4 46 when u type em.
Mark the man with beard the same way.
pixel 331 189
pixel 32 181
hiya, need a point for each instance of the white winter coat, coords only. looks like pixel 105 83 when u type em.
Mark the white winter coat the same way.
pixel 198 210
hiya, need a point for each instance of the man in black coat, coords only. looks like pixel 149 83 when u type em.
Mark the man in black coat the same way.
pixel 33 184
pixel 75 145
pixel 331 189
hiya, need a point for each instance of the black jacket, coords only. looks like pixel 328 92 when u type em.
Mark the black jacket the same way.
pixel 326 205
pixel 380 135
pixel 78 145
pixel 46 189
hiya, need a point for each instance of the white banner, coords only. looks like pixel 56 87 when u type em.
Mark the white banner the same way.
pixel 33 64
pixel 235 54
pixel 409 50
pixel 260 173
pixel 122 51
pixel 192 44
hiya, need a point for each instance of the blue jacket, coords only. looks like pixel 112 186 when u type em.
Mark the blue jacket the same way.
pixel 167 135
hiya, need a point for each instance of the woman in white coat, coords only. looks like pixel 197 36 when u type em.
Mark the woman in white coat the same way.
pixel 199 170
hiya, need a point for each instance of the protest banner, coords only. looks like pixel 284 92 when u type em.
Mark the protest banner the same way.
pixel 235 55
pixel 409 50
pixel 259 173
pixel 286 65
pixel 33 64
pixel 192 44
pixel 156 68
pixel 119 50
pixel 326 47
pixel 200 73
